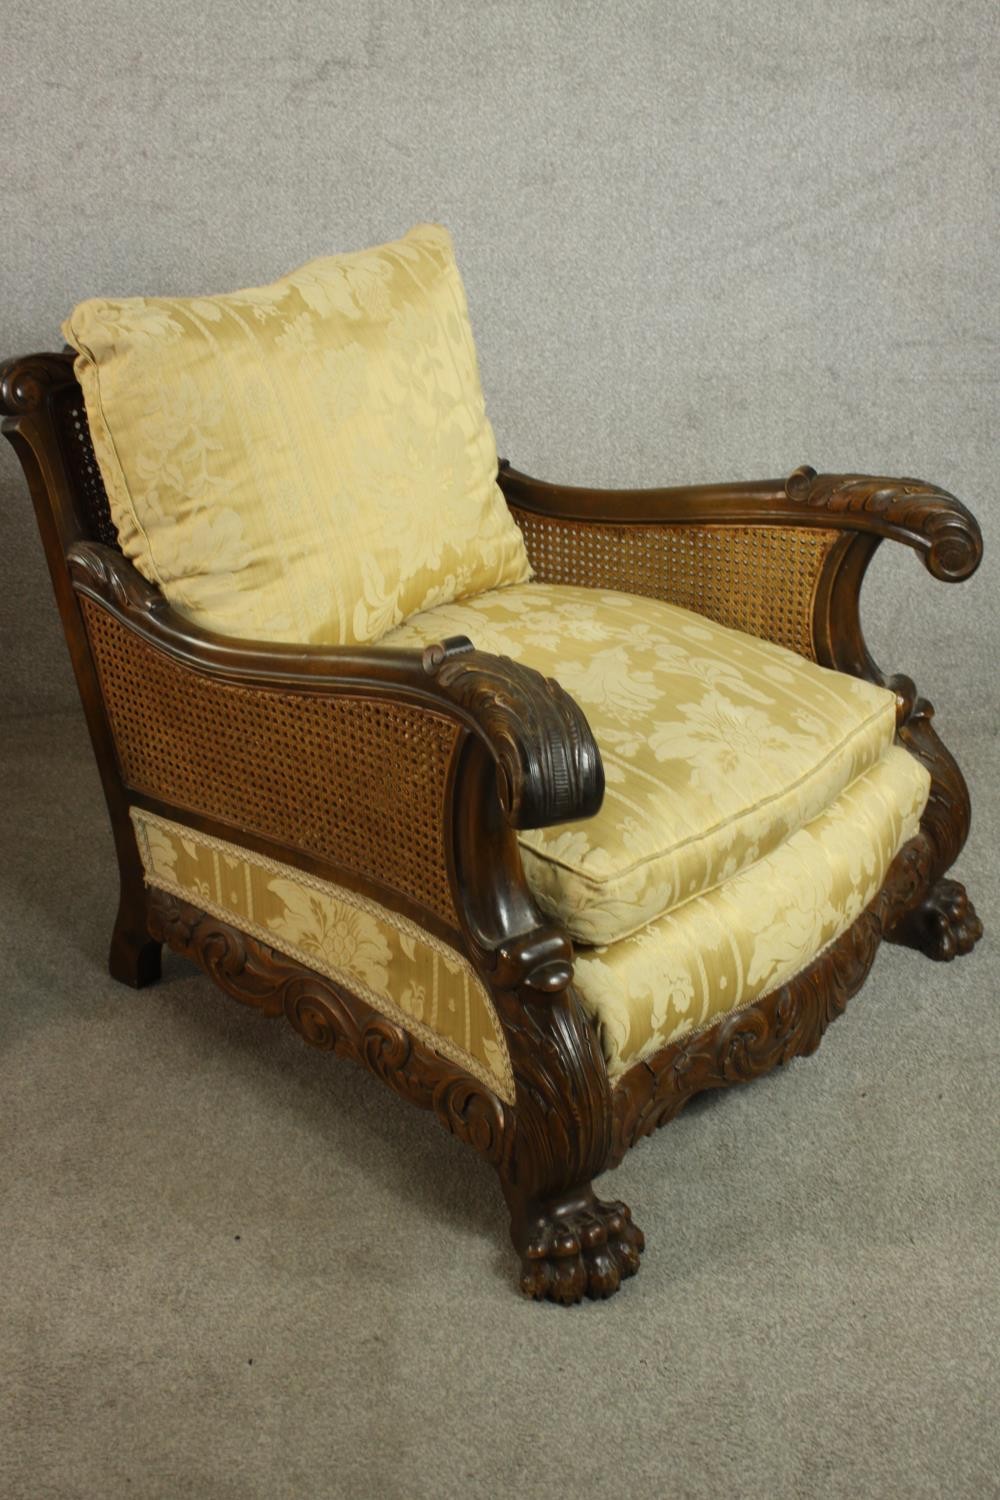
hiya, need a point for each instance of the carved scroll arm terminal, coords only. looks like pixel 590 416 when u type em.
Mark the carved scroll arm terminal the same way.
pixel 939 527
pixel 548 767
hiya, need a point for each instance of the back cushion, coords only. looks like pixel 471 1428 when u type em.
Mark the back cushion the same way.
pixel 308 461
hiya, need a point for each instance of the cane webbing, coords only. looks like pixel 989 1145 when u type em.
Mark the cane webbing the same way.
pixel 759 579
pixel 357 780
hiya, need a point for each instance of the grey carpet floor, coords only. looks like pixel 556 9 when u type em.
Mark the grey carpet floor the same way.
pixel 233 1267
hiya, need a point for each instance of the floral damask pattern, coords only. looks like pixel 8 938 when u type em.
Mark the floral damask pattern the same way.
pixel 308 461
pixel 716 746
pixel 709 956
pixel 401 971
pixel 721 951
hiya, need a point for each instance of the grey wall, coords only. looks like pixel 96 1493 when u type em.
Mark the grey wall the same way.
pixel 702 239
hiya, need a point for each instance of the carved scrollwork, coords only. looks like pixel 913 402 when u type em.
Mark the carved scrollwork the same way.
pixel 571 1244
pixel 938 919
pixel 546 1149
pixel 470 1114
pixel 788 1023
pixel 104 574
pixel 930 519
pixel 948 813
pixel 332 1021
pixel 548 766
pixel 316 1017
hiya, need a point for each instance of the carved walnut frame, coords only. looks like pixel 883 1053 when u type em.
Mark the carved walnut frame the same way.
pixel 522 756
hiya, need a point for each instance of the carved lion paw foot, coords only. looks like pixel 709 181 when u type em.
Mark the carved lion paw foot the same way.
pixel 585 1252
pixel 944 925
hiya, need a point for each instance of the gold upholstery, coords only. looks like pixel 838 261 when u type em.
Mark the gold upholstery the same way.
pixel 311 462
pixel 308 461
pixel 716 746
pixel 401 970
pixel 712 955
pixel 721 951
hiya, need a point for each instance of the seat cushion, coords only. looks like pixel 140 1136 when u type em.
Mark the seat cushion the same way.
pixel 308 461
pixel 716 746
pixel 721 951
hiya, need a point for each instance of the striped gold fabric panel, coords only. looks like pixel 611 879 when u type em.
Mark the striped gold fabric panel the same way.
pixel 723 950
pixel 398 968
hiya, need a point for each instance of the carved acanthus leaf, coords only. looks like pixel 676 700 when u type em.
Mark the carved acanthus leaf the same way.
pixel 930 519
pixel 333 1021
pixel 107 576
pixel 788 1023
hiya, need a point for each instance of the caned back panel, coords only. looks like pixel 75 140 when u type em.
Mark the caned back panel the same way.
pixel 73 431
pixel 759 579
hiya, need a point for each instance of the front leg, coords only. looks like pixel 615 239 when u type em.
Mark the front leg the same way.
pixel 944 925
pixel 575 1246
pixel 572 1244
pixel 943 922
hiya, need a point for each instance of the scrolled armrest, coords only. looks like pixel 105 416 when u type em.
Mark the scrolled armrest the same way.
pixel 930 520
pixel 921 515
pixel 548 765
pixel 549 769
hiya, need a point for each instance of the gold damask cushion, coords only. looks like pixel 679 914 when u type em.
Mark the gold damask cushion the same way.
pixel 308 461
pixel 721 951
pixel 402 971
pixel 716 745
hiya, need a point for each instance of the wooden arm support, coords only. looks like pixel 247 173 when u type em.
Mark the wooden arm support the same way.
pixel 408 772
pixel 548 767
pixel 783 559
pixel 930 520
pixel 517 752
pixel 630 539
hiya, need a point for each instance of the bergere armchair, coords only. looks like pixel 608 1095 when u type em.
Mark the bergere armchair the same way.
pixel 549 806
